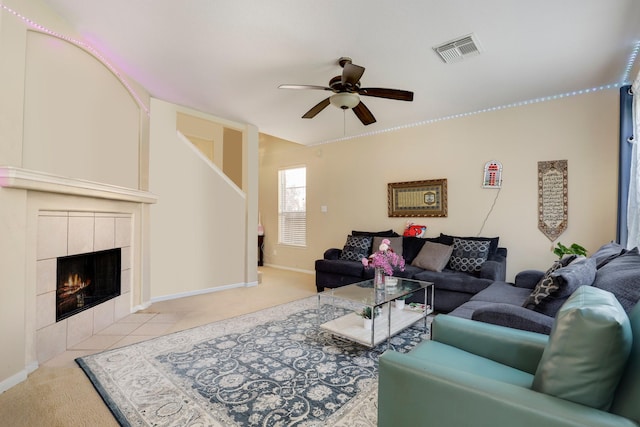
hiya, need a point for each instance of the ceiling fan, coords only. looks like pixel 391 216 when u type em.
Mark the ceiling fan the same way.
pixel 347 91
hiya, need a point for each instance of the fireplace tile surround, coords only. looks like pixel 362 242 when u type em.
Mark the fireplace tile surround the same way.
pixel 62 233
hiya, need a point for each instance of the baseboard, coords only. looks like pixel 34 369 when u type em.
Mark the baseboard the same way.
pixel 18 378
pixel 203 291
pixel 139 307
pixel 215 289
pixel 283 267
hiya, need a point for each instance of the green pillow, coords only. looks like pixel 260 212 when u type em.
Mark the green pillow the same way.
pixel 587 350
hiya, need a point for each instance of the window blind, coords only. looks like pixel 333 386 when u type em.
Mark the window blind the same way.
pixel 292 206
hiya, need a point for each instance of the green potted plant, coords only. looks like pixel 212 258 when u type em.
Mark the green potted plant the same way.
pixel 399 302
pixel 368 314
pixel 575 249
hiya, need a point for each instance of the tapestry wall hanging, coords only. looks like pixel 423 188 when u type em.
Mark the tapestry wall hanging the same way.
pixel 418 198
pixel 552 198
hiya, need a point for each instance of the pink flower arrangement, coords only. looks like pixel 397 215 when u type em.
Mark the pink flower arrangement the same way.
pixel 384 258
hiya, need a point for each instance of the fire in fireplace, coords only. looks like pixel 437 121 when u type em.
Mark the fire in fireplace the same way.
pixel 86 280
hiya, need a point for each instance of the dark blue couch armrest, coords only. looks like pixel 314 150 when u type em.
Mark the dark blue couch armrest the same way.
pixel 495 268
pixel 514 316
pixel 332 253
pixel 528 278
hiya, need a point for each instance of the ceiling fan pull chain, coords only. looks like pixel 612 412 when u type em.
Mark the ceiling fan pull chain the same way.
pixel 344 122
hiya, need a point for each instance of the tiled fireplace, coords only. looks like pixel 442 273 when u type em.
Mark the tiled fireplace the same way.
pixel 67 233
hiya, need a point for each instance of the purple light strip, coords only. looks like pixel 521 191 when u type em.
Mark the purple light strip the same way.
pixel 84 46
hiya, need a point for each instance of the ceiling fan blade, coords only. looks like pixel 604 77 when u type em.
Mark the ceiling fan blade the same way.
pixel 364 114
pixel 400 95
pixel 304 87
pixel 315 110
pixel 351 74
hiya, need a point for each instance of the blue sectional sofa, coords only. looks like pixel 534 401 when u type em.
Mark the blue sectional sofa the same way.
pixel 453 287
pixel 611 267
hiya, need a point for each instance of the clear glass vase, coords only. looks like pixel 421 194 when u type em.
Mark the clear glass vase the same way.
pixel 378 278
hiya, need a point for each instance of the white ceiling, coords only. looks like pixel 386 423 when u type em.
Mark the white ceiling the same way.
pixel 228 57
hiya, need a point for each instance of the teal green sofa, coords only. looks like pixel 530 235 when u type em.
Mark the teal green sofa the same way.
pixel 477 374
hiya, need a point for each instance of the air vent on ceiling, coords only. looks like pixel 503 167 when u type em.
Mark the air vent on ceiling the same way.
pixel 458 49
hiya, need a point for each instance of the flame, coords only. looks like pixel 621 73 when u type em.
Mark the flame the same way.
pixel 74 284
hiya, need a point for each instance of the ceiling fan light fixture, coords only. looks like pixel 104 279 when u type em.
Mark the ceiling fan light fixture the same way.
pixel 345 100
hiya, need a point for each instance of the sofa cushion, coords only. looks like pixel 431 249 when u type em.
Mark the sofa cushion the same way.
pixel 340 267
pixel 408 272
pixel 511 316
pixel 621 276
pixel 395 243
pixel 453 281
pixel 468 255
pixel 502 292
pixel 383 233
pixel 587 350
pixel 433 256
pixel 607 252
pixel 493 241
pixel 356 248
pixel 439 354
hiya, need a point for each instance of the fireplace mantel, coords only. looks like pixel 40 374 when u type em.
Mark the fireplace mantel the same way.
pixel 25 179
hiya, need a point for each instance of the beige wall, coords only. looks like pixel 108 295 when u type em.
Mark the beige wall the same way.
pixel 51 122
pixel 204 134
pixel 62 112
pixel 350 178
pixel 67 113
pixel 233 158
pixel 199 228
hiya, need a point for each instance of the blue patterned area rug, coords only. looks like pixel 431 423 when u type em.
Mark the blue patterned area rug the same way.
pixel 275 367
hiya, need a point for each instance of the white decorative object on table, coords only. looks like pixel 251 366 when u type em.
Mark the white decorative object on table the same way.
pixel 368 323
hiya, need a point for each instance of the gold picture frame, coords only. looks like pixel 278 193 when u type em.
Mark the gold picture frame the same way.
pixel 418 198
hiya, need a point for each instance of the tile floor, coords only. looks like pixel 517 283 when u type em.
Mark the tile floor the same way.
pixel 277 287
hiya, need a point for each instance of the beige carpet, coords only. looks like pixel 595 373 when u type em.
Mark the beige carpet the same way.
pixel 58 393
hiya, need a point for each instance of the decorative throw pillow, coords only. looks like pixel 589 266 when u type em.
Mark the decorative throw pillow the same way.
pixel 493 241
pixel 588 348
pixel 433 256
pixel 468 255
pixel 394 242
pixel 564 282
pixel 356 248
pixel 411 246
pixel 545 286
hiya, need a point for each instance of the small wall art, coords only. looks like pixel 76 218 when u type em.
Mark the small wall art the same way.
pixel 492 177
pixel 418 198
pixel 553 198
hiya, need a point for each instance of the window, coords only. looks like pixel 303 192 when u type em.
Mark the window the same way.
pixel 292 206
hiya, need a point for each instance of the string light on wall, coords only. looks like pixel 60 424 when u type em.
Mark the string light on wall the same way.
pixel 624 81
pixel 472 113
pixel 632 60
pixel 84 46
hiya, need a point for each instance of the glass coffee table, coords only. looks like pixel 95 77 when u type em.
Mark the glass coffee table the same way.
pixel 388 322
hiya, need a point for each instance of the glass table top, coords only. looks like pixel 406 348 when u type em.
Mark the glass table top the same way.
pixel 365 293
